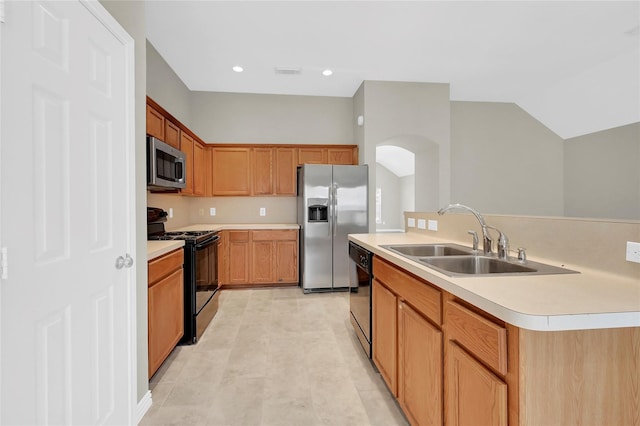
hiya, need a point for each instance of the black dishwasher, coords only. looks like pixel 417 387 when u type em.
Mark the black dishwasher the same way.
pixel 360 277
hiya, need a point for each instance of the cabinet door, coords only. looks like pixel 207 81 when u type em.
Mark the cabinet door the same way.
pixel 384 307
pixel 172 134
pixel 231 171
pixel 166 318
pixel 186 146
pixel 287 261
pixel 419 367
pixel 285 171
pixel 474 395
pixel 262 171
pixel 262 262
pixel 223 258
pixel 341 156
pixel 207 173
pixel 312 155
pixel 198 169
pixel 238 257
pixel 155 123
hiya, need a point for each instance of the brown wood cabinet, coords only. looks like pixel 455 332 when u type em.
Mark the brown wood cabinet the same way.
pixel 262 171
pixel 231 169
pixel 285 171
pixel 187 146
pixel 407 341
pixel 342 156
pixel 239 255
pixel 172 134
pixel 260 257
pixel 316 155
pixel 385 334
pixel 155 123
pixel 458 364
pixel 198 170
pixel 165 306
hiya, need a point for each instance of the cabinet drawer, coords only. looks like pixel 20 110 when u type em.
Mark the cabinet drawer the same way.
pixel 480 336
pixel 421 295
pixel 163 266
pixel 273 235
pixel 238 236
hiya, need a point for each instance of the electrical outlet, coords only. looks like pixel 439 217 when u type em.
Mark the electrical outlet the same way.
pixel 411 222
pixel 422 224
pixel 432 225
pixel 170 213
pixel 633 252
pixel 212 211
pixel 263 211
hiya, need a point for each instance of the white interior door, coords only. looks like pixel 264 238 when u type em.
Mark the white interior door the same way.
pixel 66 162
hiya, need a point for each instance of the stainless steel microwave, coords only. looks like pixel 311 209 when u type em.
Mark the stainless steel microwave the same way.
pixel 165 166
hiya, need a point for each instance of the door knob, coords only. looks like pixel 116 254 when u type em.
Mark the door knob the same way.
pixel 124 262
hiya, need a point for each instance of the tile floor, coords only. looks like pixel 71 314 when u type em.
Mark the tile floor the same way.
pixel 273 357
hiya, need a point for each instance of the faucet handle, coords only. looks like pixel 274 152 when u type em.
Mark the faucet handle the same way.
pixel 474 234
pixel 522 254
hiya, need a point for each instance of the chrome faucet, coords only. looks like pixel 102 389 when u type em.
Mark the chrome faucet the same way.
pixel 487 242
pixel 503 243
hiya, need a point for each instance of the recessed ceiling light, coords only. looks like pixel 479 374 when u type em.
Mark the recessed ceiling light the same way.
pixel 238 68
pixel 327 73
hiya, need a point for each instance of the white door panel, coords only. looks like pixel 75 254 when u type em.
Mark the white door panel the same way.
pixel 67 319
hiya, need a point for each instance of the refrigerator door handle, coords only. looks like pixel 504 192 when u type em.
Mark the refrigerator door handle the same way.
pixel 335 209
pixel 330 191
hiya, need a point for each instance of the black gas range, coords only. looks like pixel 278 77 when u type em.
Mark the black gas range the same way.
pixel 200 272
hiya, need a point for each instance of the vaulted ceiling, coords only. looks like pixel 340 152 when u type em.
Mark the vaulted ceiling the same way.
pixel 574 65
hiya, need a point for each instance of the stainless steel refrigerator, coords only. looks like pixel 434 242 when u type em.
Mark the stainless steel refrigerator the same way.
pixel 332 203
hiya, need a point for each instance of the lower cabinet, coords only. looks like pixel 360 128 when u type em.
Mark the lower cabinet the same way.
pixel 260 257
pixel 475 396
pixel 165 306
pixel 407 341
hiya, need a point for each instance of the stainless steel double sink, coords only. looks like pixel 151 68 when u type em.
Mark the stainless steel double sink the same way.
pixel 459 261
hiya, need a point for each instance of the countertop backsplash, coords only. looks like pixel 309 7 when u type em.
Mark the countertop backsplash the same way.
pixel 592 243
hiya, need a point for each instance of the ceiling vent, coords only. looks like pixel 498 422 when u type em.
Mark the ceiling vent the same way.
pixel 288 70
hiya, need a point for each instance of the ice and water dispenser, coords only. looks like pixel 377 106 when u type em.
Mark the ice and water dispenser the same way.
pixel 318 209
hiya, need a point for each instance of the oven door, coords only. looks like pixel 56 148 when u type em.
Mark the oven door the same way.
pixel 206 272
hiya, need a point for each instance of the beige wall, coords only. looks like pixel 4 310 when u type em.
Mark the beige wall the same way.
pixel 504 161
pixel 602 174
pixel 258 118
pixel 416 117
pixel 131 15
pixel 390 184
pixel 166 88
pixel 576 243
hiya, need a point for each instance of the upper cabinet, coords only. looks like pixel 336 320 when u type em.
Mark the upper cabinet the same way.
pixel 240 169
pixel 155 123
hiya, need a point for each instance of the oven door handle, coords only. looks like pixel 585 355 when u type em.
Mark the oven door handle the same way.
pixel 213 240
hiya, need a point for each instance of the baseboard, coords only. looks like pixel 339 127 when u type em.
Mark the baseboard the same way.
pixel 143 406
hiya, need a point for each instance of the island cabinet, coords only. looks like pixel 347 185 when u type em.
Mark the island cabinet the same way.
pixel 407 341
pixel 259 257
pixel 165 306
pixel 475 387
pixel 449 362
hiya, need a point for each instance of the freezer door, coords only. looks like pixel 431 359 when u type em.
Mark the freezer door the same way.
pixel 350 208
pixel 316 236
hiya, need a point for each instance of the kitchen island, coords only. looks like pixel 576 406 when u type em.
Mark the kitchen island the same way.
pixel 519 350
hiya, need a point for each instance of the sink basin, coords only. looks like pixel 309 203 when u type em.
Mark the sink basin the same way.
pixel 423 250
pixel 458 266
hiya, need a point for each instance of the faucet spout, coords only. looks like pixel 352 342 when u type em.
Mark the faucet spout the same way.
pixel 487 241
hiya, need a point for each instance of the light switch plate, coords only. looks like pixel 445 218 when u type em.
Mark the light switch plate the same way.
pixel 422 224
pixel 633 252
pixel 432 225
pixel 411 222
pixel 212 211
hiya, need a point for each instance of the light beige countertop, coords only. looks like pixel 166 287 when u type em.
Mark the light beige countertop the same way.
pixel 591 299
pixel 158 248
pixel 227 226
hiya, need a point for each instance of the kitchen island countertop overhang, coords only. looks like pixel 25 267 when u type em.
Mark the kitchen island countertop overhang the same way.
pixel 592 299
